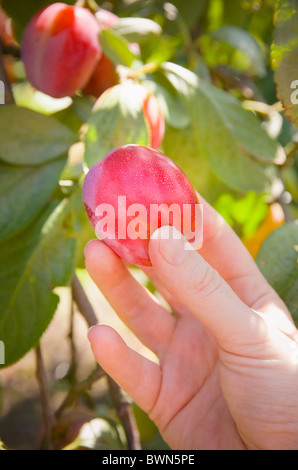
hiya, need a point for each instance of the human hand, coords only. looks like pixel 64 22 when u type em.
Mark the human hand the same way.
pixel 228 371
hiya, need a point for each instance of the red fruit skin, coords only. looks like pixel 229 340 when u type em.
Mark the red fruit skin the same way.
pixel 103 77
pixel 155 120
pixel 153 116
pixel 6 30
pixel 144 176
pixel 60 49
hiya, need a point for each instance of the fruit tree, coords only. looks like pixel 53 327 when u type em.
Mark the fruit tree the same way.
pixel 158 102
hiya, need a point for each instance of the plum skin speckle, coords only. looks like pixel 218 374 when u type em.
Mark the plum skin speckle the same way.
pixel 143 176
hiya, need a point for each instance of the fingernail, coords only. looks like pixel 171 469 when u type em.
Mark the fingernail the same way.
pixel 90 330
pixel 172 246
pixel 85 249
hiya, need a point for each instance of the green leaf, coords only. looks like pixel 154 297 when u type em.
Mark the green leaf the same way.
pixel 28 97
pixel 170 103
pixel 231 138
pixel 138 30
pixel 284 57
pixel 190 11
pixel 31 266
pixel 98 434
pixel 82 106
pixel 278 261
pixel 117 119
pixel 116 48
pixel 23 193
pixel 243 125
pixel 242 40
pixel 31 138
pixel 180 146
pixel 75 115
pixel 244 214
pixel 160 49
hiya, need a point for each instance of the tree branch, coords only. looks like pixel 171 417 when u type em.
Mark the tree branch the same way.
pixel 125 413
pixel 45 402
pixel 237 80
pixel 122 405
pixel 79 388
pixel 82 301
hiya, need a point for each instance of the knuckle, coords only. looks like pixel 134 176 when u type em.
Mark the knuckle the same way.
pixel 205 280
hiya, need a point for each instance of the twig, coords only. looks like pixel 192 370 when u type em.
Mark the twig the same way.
pixel 284 200
pixel 12 50
pixel 147 68
pixel 121 403
pixel 125 414
pixel 73 365
pixel 81 3
pixel 45 402
pixel 79 388
pixel 241 82
pixel 8 95
pixel 82 301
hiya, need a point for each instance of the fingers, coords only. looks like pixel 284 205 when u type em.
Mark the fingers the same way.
pixel 223 250
pixel 138 376
pixel 138 309
pixel 199 287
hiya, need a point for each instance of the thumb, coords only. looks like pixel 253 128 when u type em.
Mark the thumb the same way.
pixel 199 287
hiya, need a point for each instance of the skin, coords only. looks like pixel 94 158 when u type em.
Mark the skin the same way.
pixel 228 371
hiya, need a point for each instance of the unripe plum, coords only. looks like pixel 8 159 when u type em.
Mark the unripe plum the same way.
pixel 152 113
pixel 155 120
pixel 60 49
pixel 133 191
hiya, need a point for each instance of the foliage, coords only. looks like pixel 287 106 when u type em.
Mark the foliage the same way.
pixel 277 259
pixel 222 71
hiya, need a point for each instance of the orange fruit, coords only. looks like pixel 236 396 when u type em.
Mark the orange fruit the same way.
pixel 274 219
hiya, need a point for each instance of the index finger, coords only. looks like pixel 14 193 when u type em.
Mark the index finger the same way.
pixel 225 252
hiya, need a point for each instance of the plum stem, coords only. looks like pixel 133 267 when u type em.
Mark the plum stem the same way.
pixel 147 68
pixel 81 3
